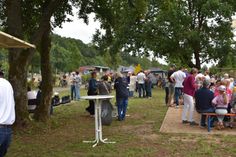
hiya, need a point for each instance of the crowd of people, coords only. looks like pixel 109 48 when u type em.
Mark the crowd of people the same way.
pixel 104 87
pixel 197 90
pixel 125 87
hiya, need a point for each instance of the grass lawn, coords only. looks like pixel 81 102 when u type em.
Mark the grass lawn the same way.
pixel 137 136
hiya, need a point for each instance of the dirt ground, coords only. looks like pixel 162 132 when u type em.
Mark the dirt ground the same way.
pixel 173 124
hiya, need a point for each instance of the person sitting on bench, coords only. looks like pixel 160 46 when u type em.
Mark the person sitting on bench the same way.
pixel 221 102
pixel 233 104
pixel 32 101
pixel 203 99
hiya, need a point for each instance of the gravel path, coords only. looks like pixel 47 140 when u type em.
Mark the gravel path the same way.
pixel 173 124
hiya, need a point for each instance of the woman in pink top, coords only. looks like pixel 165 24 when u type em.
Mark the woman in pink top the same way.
pixel 221 103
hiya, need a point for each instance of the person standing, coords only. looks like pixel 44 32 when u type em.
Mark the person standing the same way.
pixel 178 78
pixel 78 83
pixel 141 83
pixel 122 94
pixel 166 83
pixel 148 84
pixel 92 90
pixel 7 114
pixel 206 75
pixel 171 84
pixel 72 86
pixel 189 91
pixel 132 84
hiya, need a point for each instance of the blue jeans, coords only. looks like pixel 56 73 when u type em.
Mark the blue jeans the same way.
pixel 203 117
pixel 122 104
pixel 73 92
pixel 5 140
pixel 141 88
pixel 77 92
pixel 149 89
pixel 131 93
pixel 178 93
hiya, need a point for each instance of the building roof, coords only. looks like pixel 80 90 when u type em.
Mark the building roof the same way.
pixel 8 41
pixel 101 67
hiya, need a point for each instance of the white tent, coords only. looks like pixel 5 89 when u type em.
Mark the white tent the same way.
pixel 8 41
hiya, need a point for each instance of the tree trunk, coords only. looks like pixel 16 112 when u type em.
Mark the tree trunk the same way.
pixel 197 59
pixel 18 79
pixel 19 59
pixel 42 111
pixel 17 63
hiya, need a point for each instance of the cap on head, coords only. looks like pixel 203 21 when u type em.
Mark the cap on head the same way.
pixel 222 88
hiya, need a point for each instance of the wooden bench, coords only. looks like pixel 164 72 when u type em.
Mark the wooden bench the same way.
pixel 209 117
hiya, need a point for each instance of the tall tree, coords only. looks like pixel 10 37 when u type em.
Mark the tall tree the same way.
pixel 26 21
pixel 193 32
pixel 188 31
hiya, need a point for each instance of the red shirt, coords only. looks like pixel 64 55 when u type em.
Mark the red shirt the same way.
pixel 189 85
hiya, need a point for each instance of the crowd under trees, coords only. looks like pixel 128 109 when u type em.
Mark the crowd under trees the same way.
pixel 188 32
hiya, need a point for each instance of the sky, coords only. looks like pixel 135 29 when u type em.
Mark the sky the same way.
pixel 78 29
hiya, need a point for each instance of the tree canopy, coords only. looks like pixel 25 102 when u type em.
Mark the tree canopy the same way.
pixel 186 31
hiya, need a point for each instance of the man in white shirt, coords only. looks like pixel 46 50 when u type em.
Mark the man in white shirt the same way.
pixel 141 83
pixel 7 114
pixel 178 77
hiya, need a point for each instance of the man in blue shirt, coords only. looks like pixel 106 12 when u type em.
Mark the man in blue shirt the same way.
pixel 204 98
pixel 92 90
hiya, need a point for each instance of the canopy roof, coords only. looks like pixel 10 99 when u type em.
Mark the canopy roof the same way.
pixel 8 41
